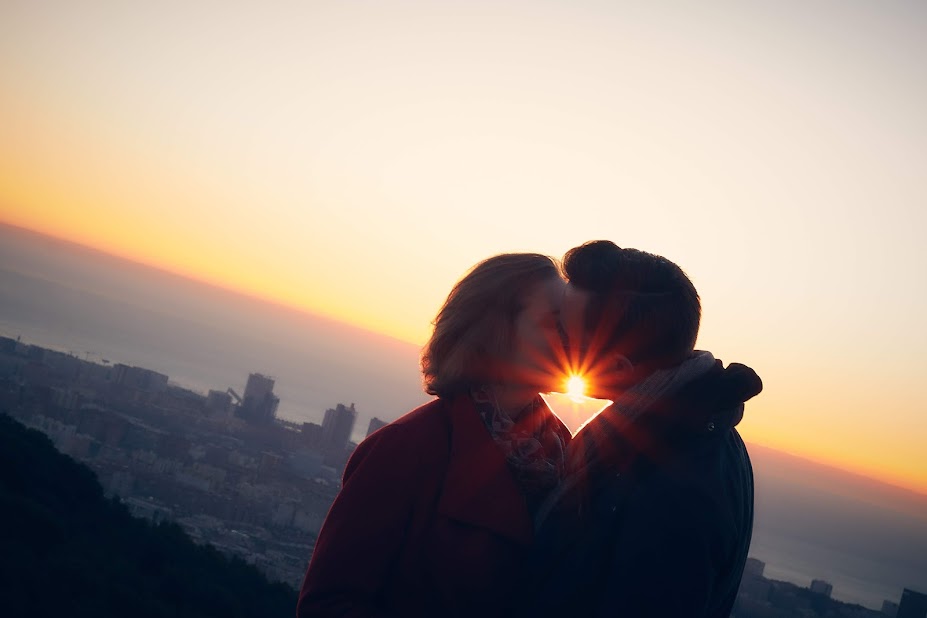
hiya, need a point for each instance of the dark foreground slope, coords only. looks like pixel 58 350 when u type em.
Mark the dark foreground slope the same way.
pixel 68 551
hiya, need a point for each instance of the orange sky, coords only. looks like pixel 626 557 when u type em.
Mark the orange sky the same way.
pixel 355 160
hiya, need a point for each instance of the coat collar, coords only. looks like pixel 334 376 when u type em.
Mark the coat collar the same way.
pixel 479 489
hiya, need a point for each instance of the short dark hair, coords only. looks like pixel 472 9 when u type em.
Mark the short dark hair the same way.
pixel 474 330
pixel 643 305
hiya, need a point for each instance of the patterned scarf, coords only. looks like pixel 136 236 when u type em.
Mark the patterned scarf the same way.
pixel 533 445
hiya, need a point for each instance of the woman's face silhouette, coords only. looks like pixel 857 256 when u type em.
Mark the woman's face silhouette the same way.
pixel 537 350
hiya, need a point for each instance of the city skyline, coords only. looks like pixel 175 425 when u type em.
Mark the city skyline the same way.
pixel 85 399
pixel 352 161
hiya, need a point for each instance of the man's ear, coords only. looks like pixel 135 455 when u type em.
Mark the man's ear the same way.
pixel 616 377
pixel 622 365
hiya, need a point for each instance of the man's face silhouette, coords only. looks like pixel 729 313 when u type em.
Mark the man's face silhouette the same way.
pixel 537 342
pixel 589 347
pixel 573 305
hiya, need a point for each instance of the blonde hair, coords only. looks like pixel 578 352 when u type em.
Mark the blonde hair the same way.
pixel 474 330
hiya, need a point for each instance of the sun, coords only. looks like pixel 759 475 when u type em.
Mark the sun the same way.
pixel 576 387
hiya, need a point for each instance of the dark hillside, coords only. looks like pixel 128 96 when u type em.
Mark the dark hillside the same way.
pixel 68 551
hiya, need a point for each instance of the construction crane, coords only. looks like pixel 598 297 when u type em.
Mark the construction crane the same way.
pixel 235 395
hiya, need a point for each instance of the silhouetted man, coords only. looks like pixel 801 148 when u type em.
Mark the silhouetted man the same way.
pixel 656 513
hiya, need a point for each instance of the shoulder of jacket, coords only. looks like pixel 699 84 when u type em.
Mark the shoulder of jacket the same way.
pixel 415 441
pixel 423 431
pixel 432 414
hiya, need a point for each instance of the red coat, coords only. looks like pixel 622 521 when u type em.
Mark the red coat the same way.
pixel 429 522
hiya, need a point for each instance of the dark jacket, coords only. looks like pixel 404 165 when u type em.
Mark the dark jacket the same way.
pixel 429 522
pixel 659 523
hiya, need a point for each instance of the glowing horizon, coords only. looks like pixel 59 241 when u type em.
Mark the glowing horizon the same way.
pixel 564 402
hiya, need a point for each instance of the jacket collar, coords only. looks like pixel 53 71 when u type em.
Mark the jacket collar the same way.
pixel 697 414
pixel 479 489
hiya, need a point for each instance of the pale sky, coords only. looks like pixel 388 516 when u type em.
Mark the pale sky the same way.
pixel 355 158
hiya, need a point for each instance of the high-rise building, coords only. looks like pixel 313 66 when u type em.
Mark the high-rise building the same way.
pixel 754 567
pixel 218 403
pixel 259 405
pixel 913 604
pixel 375 424
pixel 337 427
pixel 754 585
pixel 821 587
pixel 139 378
pixel 312 435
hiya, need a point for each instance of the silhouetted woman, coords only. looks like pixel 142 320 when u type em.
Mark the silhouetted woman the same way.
pixel 435 513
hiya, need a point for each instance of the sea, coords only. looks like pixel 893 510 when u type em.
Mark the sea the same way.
pixel 866 538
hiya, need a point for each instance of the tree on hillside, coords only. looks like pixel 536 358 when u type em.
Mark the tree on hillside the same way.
pixel 67 550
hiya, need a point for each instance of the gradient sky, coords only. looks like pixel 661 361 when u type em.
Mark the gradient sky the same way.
pixel 355 158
